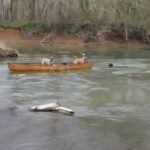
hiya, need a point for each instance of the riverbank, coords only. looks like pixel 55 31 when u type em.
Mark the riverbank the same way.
pixel 77 39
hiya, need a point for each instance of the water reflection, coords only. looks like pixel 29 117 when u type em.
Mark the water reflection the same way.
pixel 35 48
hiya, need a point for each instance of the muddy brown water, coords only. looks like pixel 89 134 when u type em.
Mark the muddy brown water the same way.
pixel 112 105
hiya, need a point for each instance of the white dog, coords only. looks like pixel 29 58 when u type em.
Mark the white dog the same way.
pixel 48 62
pixel 81 60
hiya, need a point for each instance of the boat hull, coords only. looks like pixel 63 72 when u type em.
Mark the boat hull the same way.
pixel 45 68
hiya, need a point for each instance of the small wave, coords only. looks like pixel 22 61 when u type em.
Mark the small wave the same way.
pixel 100 88
pixel 113 112
pixel 6 87
pixel 126 72
pixel 148 71
pixel 123 112
pixel 17 75
pixel 120 72
pixel 117 112
pixel 18 95
pixel 131 66
pixel 26 145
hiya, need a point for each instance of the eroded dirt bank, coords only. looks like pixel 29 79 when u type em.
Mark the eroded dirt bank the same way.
pixel 15 34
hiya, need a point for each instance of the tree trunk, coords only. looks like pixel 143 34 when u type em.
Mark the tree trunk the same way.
pixel 1 9
pixel 125 32
pixel 84 4
pixel 31 14
pixel 13 9
pixel 41 10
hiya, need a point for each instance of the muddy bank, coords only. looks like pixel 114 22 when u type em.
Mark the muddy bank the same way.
pixel 15 34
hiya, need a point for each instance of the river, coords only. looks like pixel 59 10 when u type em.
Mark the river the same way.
pixel 112 105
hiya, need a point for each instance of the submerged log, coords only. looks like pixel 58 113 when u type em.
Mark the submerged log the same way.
pixel 4 52
pixel 52 107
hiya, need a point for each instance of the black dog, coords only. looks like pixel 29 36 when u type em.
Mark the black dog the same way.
pixel 110 65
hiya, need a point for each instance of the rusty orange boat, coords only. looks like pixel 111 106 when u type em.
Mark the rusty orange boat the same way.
pixel 45 68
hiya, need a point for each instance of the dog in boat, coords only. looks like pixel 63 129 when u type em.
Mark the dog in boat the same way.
pixel 81 60
pixel 48 62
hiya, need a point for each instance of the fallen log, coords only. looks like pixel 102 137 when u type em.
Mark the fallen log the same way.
pixel 56 107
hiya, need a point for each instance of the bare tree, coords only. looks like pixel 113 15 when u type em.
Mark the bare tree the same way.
pixel 1 9
pixel 84 4
pixel 58 10
pixel 13 9
pixel 31 9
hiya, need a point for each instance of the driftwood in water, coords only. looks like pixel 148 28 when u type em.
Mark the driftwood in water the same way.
pixel 52 107
pixel 4 52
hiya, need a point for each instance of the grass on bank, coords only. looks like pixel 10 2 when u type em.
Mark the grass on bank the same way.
pixel 40 27
pixel 27 26
pixel 9 24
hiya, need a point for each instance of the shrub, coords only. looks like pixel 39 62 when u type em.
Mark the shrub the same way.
pixel 136 31
pixel 35 27
pixel 68 27
pixel 9 24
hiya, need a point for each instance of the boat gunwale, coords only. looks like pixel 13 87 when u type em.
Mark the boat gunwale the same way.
pixel 45 68
pixel 39 64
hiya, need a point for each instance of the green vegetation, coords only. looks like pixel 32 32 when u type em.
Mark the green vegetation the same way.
pixel 26 26
pixel 35 27
pixel 9 24
pixel 68 26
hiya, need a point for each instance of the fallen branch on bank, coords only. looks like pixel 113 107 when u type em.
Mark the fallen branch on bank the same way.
pixel 48 38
